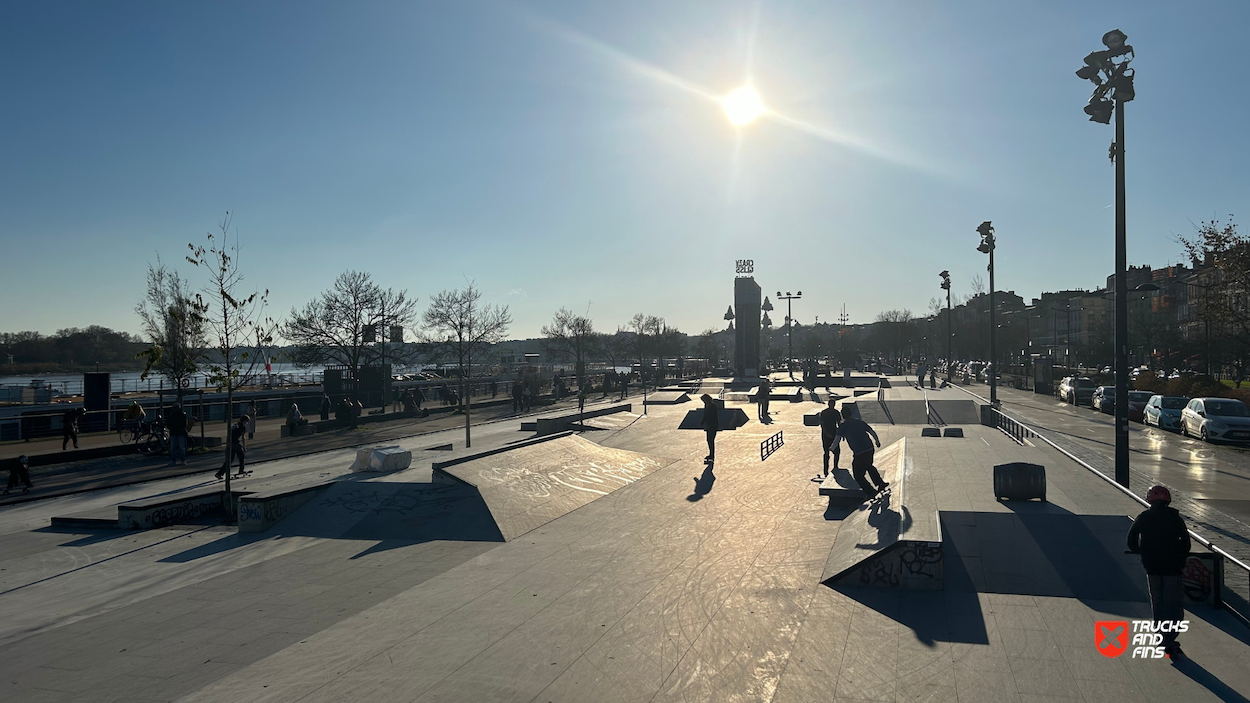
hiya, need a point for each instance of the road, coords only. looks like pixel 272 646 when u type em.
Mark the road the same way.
pixel 1210 483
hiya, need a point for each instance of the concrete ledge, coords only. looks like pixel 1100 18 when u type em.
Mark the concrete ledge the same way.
pixel 298 430
pixel 171 510
pixel 560 423
pixel 260 511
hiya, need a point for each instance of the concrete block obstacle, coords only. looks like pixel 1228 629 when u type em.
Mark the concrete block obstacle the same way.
pixel 260 511
pixel 930 432
pixel 525 486
pixel 298 430
pixel 1019 480
pixel 954 412
pixel 952 432
pixel 563 422
pixel 894 541
pixel 381 459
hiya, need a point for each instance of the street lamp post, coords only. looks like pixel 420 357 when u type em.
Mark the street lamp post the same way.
pixel 946 286
pixel 789 329
pixel 986 230
pixel 1110 95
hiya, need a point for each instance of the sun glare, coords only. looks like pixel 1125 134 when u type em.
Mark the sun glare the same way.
pixel 743 105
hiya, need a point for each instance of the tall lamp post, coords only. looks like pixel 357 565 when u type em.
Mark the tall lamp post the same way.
pixel 1112 77
pixel 946 286
pixel 986 230
pixel 789 330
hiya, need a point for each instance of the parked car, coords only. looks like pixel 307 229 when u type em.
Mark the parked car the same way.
pixel 1137 401
pixel 1076 390
pixel 1164 411
pixel 1104 399
pixel 1216 419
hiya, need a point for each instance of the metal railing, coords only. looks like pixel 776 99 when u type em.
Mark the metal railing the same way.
pixel 1234 601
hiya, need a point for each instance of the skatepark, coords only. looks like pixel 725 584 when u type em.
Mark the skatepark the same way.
pixel 596 557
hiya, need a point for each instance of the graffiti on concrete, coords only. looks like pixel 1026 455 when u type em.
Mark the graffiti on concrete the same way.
pixel 908 565
pixel 185 511
pixel 599 477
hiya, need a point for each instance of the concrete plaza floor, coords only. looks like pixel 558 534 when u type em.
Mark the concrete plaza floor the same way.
pixel 683 583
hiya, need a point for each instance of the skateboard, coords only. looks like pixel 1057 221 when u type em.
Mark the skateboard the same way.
pixel 245 474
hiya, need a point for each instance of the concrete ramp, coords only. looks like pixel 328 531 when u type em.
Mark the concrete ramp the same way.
pixel 527 487
pixel 954 412
pixel 668 397
pixel 895 541
pixel 729 419
pixel 892 412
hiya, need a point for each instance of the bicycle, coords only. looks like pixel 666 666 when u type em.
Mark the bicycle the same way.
pixel 152 438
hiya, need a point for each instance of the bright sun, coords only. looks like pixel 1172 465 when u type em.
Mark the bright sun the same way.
pixel 743 105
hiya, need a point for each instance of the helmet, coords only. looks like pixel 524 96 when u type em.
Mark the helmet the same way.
pixel 1158 493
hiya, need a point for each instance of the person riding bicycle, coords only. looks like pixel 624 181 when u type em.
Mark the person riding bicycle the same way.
pixel 135 413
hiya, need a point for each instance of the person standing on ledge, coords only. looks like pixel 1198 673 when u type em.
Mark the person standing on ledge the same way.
pixel 711 425
pixel 859 439
pixel 761 398
pixel 176 421
pixel 830 420
pixel 1159 535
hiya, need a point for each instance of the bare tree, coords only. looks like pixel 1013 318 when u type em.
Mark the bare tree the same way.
pixel 977 284
pixel 571 336
pixel 614 346
pixel 174 325
pixel 642 330
pixel 459 326
pixel 332 327
pixel 235 324
pixel 1225 297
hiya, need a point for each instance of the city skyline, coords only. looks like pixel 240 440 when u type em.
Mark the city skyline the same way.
pixel 568 156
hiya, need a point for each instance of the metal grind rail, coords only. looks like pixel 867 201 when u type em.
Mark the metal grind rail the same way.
pixel 1243 599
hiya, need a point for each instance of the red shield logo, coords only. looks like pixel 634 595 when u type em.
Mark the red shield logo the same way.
pixel 1111 637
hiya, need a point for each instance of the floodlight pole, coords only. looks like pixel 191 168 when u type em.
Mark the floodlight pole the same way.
pixel 1121 308
pixel 993 336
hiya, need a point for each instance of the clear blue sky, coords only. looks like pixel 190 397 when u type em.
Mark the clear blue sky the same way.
pixel 565 153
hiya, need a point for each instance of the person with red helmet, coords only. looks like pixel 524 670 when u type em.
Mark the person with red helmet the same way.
pixel 1159 535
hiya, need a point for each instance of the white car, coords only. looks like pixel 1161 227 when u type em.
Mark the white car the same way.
pixel 1216 419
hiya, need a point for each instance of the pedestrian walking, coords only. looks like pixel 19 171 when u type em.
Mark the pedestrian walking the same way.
pixel 69 427
pixel 933 376
pixel 19 472
pixel 830 420
pixel 251 422
pixel 920 372
pixel 176 422
pixel 494 388
pixel 624 385
pixel 527 398
pixel 516 396
pixel 237 430
pixel 1159 535
pixel 711 425
pixel 325 406
pixel 860 439
pixel 581 400
pixel 762 397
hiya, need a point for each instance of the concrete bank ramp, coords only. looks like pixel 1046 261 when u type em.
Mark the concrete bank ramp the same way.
pixel 527 487
pixel 668 397
pixel 895 541
pixel 954 412
pixel 385 510
pixel 892 412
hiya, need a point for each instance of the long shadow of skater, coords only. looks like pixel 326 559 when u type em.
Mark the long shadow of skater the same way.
pixel 702 485
pixel 888 522
pixel 1209 681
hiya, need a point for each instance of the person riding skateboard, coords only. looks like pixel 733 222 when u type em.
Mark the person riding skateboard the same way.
pixel 1159 535
pixel 860 438
pixel 237 430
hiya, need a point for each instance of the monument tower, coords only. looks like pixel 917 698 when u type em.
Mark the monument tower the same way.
pixel 747 330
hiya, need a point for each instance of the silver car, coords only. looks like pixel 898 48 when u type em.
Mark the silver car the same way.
pixel 1216 420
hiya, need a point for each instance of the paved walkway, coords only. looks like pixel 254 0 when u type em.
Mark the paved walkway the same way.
pixel 687 584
